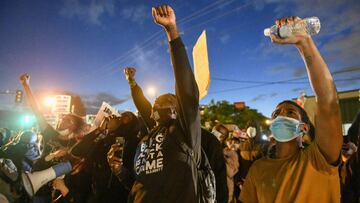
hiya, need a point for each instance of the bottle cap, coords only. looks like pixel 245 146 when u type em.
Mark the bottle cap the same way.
pixel 267 32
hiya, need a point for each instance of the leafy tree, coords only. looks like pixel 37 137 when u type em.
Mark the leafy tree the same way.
pixel 224 112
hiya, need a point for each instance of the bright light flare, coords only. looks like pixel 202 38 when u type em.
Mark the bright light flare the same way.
pixel 151 91
pixel 267 121
pixel 50 101
pixel 27 120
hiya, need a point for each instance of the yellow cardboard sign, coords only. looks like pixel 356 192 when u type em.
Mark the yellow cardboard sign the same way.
pixel 201 65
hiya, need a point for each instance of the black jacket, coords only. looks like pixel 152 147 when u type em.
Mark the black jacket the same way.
pixel 160 175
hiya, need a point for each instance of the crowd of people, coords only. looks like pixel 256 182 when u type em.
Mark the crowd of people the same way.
pixel 163 154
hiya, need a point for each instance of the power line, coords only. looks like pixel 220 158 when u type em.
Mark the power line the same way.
pixel 346 70
pixel 183 21
pixel 124 57
pixel 222 15
pixel 251 81
pixel 265 83
pixel 200 11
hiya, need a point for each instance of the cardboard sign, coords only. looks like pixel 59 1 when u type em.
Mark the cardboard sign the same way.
pixel 62 104
pixel 201 65
pixel 105 111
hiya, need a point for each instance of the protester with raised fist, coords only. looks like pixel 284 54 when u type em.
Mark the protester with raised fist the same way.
pixel 70 129
pixel 163 172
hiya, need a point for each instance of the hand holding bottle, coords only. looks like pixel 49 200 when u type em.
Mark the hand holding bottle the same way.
pixel 293 30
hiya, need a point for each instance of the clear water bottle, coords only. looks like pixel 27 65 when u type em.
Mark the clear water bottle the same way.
pixel 306 26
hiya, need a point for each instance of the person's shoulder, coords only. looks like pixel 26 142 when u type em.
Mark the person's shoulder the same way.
pixel 261 163
pixel 311 149
pixel 208 137
pixel 313 154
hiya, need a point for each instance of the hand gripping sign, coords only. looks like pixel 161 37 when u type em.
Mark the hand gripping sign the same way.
pixel 105 111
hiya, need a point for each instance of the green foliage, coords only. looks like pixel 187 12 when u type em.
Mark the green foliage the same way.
pixel 225 113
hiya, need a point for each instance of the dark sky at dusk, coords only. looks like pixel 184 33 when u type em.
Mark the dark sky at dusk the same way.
pixel 82 47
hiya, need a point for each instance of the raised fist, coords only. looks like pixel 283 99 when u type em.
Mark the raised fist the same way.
pixel 295 39
pixel 165 16
pixel 25 79
pixel 129 73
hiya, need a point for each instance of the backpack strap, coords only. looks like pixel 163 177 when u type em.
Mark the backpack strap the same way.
pixel 189 154
pixel 186 149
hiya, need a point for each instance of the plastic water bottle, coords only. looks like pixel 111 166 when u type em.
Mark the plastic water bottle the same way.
pixel 306 26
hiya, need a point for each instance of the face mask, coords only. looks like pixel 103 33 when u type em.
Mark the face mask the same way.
pixel 352 148
pixel 155 115
pixel 34 149
pixel 251 132
pixel 285 129
pixel 350 152
pixel 173 114
pixel 163 115
pixel 33 153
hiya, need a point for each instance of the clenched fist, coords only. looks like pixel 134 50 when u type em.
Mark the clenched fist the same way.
pixel 25 79
pixel 129 73
pixel 165 16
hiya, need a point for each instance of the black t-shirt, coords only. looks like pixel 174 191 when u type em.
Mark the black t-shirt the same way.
pixel 159 172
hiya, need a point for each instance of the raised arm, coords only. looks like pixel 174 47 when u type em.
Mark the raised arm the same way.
pixel 187 92
pixel 25 81
pixel 139 99
pixel 328 133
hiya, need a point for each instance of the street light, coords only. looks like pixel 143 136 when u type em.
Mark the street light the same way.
pixel 151 91
pixel 267 121
pixel 27 120
pixel 50 101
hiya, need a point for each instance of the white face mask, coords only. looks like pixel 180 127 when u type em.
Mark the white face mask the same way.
pixel 173 113
pixel 350 151
pixel 352 148
pixel 155 115
pixel 251 132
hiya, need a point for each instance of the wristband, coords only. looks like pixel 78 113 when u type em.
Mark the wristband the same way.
pixel 132 83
